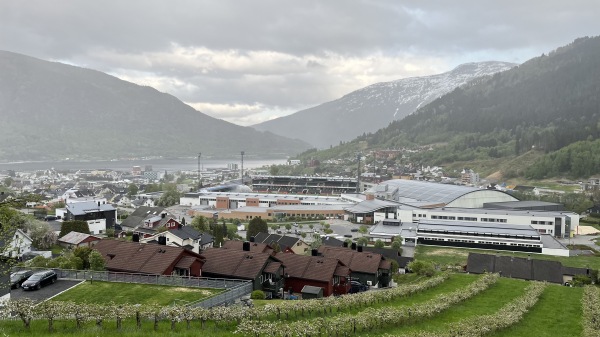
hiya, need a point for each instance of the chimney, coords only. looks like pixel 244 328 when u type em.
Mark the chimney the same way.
pixel 162 215
pixel 359 249
pixel 246 246
pixel 345 244
pixel 135 238
pixel 314 252
pixel 370 196
pixel 252 239
pixel 353 245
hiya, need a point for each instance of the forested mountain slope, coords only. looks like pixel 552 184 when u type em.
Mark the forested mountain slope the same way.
pixel 374 107
pixel 545 104
pixel 51 111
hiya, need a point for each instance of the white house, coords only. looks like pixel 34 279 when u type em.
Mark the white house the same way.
pixel 186 237
pixel 19 244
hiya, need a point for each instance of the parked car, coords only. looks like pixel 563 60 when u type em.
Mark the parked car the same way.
pixel 39 279
pixel 356 287
pixel 348 235
pixel 17 278
pixel 354 230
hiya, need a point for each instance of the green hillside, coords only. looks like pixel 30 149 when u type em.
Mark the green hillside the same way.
pixel 444 305
pixel 543 105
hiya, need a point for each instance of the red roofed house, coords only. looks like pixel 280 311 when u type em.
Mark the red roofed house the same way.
pixel 301 270
pixel 153 259
pixel 367 267
pixel 264 270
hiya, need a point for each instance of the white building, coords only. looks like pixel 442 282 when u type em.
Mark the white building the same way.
pixel 232 200
pixel 20 243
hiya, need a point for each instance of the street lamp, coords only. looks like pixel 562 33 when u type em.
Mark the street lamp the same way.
pixel 358 175
pixel 199 181
pixel 242 174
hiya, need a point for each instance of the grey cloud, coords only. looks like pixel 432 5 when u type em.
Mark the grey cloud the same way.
pixel 285 54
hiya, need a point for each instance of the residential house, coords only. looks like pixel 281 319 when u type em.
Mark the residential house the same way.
pixel 255 247
pixel 153 259
pixel 146 221
pixel 20 244
pixel 264 270
pixel 331 241
pixel 183 236
pixel 98 215
pixel 285 243
pixel 75 240
pixel 523 268
pixel 329 274
pixel 367 267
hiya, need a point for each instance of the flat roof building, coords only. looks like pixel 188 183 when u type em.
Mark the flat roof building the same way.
pixel 428 194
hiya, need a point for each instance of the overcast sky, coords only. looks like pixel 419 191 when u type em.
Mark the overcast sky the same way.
pixel 249 61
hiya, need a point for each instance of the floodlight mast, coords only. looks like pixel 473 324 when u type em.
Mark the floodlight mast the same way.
pixel 242 172
pixel 199 177
pixel 358 175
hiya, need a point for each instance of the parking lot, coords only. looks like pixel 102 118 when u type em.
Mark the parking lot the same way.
pixel 44 293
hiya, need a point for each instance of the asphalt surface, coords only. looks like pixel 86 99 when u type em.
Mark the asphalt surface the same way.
pixel 586 240
pixel 44 293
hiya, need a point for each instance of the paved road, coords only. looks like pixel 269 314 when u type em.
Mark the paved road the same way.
pixel 339 227
pixel 585 240
pixel 44 293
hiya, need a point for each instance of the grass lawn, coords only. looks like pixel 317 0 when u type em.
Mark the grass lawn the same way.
pixel 487 302
pixel 557 313
pixel 445 256
pixel 56 249
pixel 106 292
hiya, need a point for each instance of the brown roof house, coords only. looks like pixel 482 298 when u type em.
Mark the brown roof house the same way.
pixel 146 221
pixel 255 247
pixel 285 243
pixel 75 239
pixel 329 274
pixel 153 259
pixel 264 270
pixel 367 267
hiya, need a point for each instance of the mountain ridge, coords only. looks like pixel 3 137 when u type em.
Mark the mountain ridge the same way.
pixel 545 104
pixel 53 110
pixel 375 106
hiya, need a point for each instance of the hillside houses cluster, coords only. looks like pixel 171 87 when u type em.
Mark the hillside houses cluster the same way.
pixel 275 272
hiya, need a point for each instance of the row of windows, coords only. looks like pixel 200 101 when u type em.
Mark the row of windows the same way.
pixel 443 217
pixel 486 242
pixel 534 222
pixel 462 218
pixel 451 232
pixel 493 220
pixel 525 245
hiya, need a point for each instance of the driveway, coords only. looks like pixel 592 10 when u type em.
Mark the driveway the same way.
pixel 44 293
pixel 585 240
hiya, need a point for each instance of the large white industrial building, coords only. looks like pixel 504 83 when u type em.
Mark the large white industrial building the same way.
pixel 412 206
